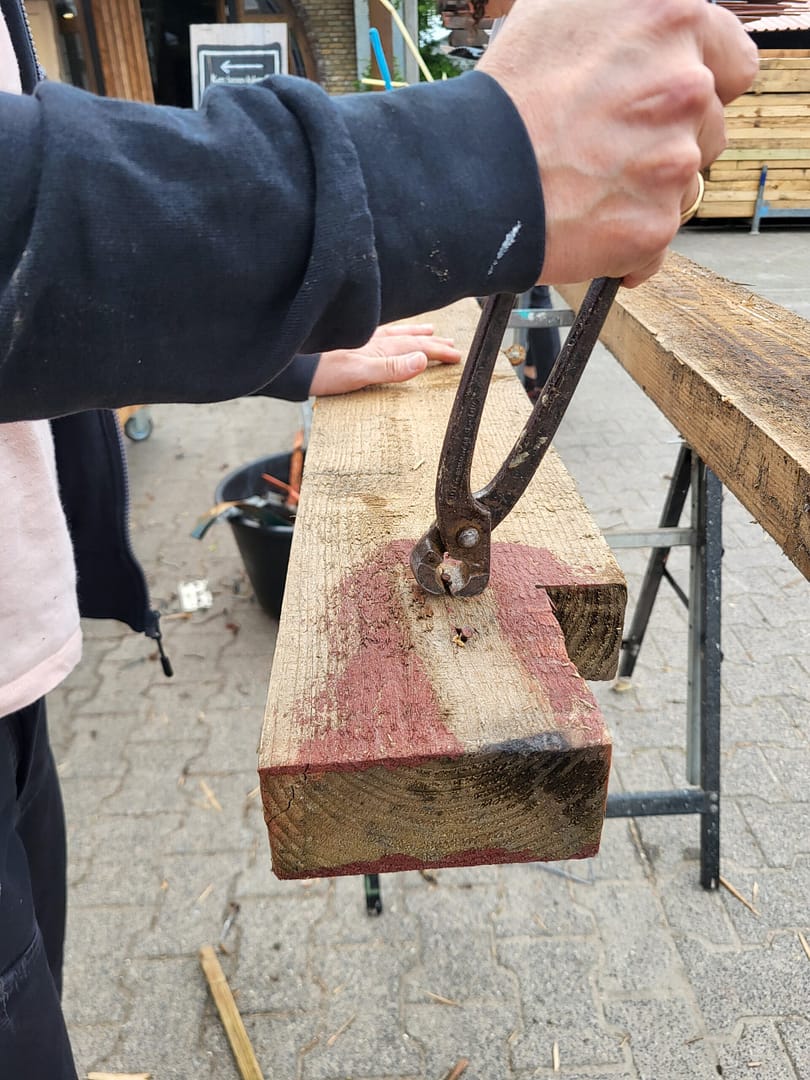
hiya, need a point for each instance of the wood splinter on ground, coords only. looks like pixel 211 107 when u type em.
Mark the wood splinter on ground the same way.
pixel 459 1068
pixel 738 896
pixel 232 1022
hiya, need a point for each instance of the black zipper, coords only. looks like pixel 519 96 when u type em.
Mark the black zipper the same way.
pixel 22 41
pixel 152 619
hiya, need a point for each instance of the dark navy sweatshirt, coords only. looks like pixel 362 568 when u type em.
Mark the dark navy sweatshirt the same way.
pixel 158 254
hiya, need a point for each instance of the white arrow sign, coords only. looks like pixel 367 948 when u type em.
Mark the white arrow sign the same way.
pixel 228 66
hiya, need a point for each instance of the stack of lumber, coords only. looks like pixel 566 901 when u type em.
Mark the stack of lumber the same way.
pixel 769 126
pixel 752 10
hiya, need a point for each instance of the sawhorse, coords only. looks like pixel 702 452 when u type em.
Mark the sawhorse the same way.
pixel 703 536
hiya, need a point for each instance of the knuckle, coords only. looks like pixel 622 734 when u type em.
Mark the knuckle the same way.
pixel 691 92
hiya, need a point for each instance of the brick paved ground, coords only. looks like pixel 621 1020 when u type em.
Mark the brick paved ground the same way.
pixel 626 964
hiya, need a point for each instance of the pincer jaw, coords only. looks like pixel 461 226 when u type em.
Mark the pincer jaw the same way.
pixel 463 572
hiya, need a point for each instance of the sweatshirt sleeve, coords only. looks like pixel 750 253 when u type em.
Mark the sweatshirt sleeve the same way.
pixel 158 254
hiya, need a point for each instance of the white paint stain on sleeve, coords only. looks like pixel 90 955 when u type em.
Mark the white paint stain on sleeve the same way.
pixel 506 243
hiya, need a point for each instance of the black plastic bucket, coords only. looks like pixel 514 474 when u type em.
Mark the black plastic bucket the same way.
pixel 265 549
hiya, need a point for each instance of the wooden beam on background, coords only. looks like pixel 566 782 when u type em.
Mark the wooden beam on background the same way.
pixel 118 27
pixel 405 730
pixel 730 371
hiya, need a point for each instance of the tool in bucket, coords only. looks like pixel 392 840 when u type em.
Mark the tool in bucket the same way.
pixel 454 554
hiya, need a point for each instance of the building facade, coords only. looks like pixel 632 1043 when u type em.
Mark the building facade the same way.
pixel 139 49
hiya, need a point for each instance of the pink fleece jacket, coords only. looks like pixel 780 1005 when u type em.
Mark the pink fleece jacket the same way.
pixel 40 636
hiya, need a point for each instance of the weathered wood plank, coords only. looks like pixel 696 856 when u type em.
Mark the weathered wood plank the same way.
pixel 730 370
pixel 409 730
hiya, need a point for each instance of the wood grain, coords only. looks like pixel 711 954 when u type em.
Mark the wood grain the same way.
pixel 730 370
pixel 408 730
pixel 122 52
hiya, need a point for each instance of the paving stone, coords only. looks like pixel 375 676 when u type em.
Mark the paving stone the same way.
pixel 256 877
pixel 97 952
pixel 782 831
pixel 639 954
pixel 669 841
pixel 537 903
pixel 280 1040
pixel 192 904
pixel 345 919
pixel 663 1037
pixel 618 858
pixel 456 938
pixel 122 855
pixel 691 911
pixel 270 967
pixel 232 738
pixel 793 769
pixel 644 770
pixel 172 1048
pixel 556 988
pixel 87 796
pixel 206 829
pixel 779 895
pixel 95 753
pixel 479 1033
pixel 756 1053
pixel 147 789
pixel 92 1044
pixel 770 980
pixel 614 1074
pixel 363 1034
pixel 795 1034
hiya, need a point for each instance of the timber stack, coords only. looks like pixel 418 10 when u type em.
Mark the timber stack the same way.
pixel 770 126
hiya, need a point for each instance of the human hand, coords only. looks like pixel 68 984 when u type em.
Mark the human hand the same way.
pixel 623 103
pixel 393 354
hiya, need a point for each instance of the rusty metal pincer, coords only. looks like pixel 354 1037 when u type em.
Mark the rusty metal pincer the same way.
pixel 453 556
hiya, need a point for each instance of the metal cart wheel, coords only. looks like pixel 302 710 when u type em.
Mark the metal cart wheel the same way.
pixel 138 426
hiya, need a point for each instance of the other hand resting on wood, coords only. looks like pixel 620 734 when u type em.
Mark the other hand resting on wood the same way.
pixel 392 354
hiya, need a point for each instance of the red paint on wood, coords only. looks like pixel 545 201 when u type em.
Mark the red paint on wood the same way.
pixel 519 577
pixel 381 708
pixel 387 864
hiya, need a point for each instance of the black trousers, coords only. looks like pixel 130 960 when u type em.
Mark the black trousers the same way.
pixel 33 1039
pixel 542 346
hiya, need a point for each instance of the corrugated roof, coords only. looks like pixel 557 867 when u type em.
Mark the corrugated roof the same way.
pixel 780 22
pixel 770 11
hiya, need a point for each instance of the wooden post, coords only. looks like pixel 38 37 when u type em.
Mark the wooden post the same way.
pixel 406 730
pixel 119 37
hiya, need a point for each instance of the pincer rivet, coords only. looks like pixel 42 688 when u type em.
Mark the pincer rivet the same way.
pixel 468 538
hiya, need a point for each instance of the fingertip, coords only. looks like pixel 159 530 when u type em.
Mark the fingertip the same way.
pixel 415 363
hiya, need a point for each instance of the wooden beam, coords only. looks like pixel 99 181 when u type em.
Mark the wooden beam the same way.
pixel 405 730
pixel 118 26
pixel 729 369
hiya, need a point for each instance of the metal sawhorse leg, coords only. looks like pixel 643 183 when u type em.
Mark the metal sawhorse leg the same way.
pixel 704 537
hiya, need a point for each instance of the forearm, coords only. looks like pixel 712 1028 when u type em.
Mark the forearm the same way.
pixel 167 255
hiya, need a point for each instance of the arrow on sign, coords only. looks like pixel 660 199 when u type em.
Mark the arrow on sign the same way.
pixel 228 66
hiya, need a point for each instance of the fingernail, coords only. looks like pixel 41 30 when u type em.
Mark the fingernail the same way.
pixel 415 361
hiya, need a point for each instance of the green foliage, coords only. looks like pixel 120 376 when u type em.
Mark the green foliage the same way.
pixel 431 32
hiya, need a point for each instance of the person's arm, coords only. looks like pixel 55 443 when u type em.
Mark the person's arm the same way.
pixel 155 254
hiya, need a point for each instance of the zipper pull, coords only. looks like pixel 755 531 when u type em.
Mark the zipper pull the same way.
pixel 157 637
